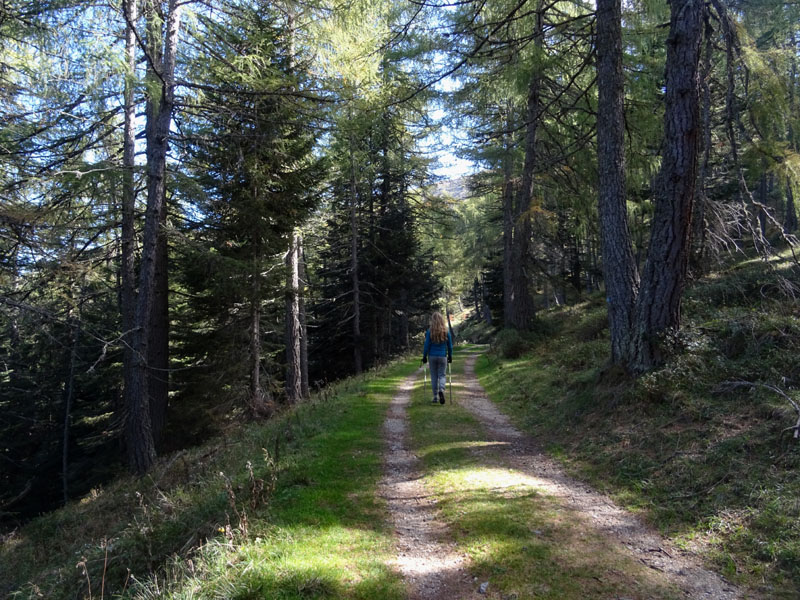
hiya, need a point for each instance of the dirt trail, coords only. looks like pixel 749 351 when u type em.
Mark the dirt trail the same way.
pixel 432 567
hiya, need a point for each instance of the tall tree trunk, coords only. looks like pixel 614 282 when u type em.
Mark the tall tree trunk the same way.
pixel 699 217
pixel 477 297
pixel 69 393
pixel 508 222
pixel 762 199
pixel 357 361
pixel 403 331
pixel 619 264
pixel 128 266
pixel 259 400
pixel 790 219
pixel 659 301
pixel 521 305
pixel 138 430
pixel 301 303
pixel 294 377
pixel 158 342
pixel 487 313
pixel 790 216
pixel 158 346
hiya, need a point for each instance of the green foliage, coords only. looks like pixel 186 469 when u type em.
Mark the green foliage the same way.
pixel 475 331
pixel 510 343
pixel 254 179
pixel 376 180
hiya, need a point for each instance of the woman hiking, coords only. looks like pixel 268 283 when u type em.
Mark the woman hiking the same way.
pixel 439 346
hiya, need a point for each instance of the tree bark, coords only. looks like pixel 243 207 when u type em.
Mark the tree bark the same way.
pixel 158 342
pixel 521 305
pixel 69 393
pixel 790 219
pixel 403 333
pixel 139 433
pixel 659 302
pixel 259 401
pixel 763 198
pixel 158 345
pixel 487 313
pixel 294 375
pixel 304 386
pixel 128 262
pixel 477 298
pixel 357 362
pixel 790 216
pixel 619 264
pixel 508 222
pixel 699 217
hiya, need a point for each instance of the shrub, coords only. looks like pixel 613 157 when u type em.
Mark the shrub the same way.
pixel 510 343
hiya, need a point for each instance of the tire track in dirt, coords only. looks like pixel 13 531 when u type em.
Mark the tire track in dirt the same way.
pixel 598 512
pixel 429 563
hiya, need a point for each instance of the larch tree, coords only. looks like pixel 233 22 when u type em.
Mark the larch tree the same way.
pixel 162 49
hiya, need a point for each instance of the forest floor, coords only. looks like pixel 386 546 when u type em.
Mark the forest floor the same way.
pixel 479 511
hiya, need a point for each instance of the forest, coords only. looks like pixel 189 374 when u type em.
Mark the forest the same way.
pixel 212 211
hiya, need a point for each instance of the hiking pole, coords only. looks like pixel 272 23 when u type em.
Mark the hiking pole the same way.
pixel 450 372
pixel 425 385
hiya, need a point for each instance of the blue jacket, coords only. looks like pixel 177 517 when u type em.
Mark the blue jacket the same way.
pixel 440 349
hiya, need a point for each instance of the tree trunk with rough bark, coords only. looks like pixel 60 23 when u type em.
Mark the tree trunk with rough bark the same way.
pixel 294 376
pixel 158 346
pixel 790 215
pixel 69 394
pixel 619 264
pixel 357 361
pixel 128 241
pixel 301 303
pixel 403 333
pixel 259 401
pixel 508 230
pixel 138 430
pixel 790 219
pixel 521 305
pixel 659 302
pixel 699 224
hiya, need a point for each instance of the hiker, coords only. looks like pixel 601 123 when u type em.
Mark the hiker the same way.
pixel 439 346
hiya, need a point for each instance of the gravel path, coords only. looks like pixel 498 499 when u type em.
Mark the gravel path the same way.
pixel 429 563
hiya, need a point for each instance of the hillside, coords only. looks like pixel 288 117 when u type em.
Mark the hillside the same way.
pixel 290 508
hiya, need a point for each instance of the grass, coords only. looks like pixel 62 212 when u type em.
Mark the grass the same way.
pixel 522 542
pixel 705 463
pixel 283 510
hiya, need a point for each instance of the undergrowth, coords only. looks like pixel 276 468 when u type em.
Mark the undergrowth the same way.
pixel 700 446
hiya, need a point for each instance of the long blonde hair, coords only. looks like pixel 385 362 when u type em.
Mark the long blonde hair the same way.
pixel 438 329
